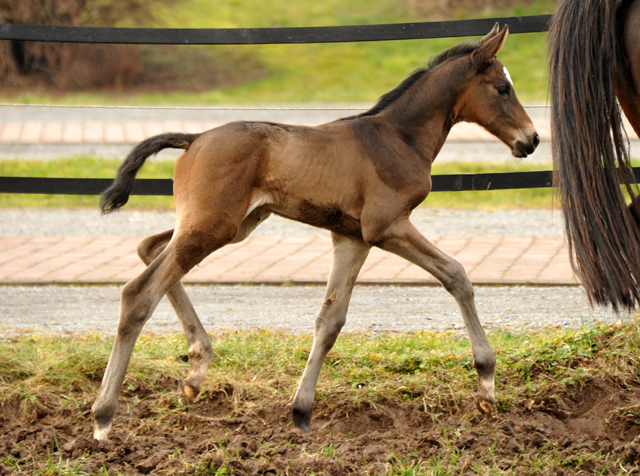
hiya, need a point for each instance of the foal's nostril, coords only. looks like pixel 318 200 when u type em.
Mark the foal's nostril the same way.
pixel 536 140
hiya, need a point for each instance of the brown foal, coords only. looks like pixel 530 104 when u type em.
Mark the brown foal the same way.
pixel 359 177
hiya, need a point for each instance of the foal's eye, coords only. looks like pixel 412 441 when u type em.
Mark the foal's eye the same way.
pixel 503 90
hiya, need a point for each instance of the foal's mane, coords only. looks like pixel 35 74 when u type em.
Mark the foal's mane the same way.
pixel 389 98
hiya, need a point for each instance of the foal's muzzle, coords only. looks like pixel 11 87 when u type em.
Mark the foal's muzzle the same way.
pixel 523 148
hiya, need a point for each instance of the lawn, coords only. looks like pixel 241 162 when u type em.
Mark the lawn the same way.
pixel 567 403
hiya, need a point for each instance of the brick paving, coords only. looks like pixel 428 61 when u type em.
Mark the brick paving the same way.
pixel 31 132
pixel 131 132
pixel 278 259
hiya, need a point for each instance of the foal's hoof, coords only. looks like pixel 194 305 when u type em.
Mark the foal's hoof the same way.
pixel 101 433
pixel 190 392
pixel 302 419
pixel 485 406
pixel 102 418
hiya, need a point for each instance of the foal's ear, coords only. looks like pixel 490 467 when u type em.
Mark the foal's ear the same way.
pixel 489 47
pixel 494 31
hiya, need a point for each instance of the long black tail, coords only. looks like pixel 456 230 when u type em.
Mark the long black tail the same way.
pixel 118 193
pixel 590 149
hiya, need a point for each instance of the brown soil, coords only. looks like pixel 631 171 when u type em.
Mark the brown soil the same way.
pixel 591 432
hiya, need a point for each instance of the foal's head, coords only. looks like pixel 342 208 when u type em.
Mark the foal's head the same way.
pixel 488 98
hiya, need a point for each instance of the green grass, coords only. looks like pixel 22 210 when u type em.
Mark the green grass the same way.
pixel 88 167
pixel 259 369
pixel 418 360
pixel 336 73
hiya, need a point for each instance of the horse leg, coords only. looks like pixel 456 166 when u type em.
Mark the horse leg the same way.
pixel 138 300
pixel 348 257
pixel 404 240
pixel 200 348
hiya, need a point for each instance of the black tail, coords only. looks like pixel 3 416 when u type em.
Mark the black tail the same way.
pixel 590 149
pixel 118 193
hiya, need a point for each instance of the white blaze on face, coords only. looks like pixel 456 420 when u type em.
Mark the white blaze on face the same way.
pixel 506 73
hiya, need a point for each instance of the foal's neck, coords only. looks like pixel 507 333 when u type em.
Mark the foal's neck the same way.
pixel 427 111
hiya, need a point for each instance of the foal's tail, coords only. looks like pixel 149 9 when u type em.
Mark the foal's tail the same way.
pixel 118 193
pixel 590 149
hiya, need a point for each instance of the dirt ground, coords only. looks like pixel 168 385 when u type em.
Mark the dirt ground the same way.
pixel 584 433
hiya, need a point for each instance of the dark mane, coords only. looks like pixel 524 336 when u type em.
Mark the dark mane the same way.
pixel 390 97
pixel 457 50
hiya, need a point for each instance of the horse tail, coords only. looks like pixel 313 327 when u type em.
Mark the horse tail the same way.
pixel 590 149
pixel 118 193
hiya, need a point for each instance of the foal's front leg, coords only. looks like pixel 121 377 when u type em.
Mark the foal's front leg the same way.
pixel 349 254
pixel 406 241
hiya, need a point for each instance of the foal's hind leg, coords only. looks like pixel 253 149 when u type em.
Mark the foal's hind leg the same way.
pixel 406 241
pixel 349 255
pixel 200 348
pixel 139 298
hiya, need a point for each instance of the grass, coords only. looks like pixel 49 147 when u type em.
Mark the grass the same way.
pixel 336 73
pixel 89 167
pixel 431 371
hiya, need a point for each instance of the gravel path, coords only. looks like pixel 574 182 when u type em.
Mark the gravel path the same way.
pixel 71 309
pixel 432 222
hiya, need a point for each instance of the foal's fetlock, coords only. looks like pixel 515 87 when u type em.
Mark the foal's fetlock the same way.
pixel 200 355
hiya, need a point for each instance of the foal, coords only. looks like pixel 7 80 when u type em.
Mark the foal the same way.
pixel 359 177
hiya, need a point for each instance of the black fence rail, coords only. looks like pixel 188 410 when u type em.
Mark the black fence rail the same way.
pixel 243 36
pixel 262 36
pixel 440 183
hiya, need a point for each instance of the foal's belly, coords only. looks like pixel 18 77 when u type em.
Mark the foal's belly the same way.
pixel 322 214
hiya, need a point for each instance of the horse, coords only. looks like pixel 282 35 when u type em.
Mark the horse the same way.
pixel 359 177
pixel 594 57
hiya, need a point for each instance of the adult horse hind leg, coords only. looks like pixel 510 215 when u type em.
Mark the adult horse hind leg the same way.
pixel 200 348
pixel 349 254
pixel 404 240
